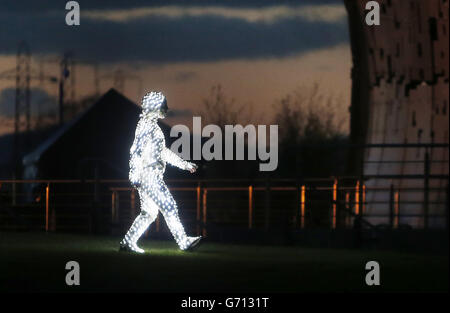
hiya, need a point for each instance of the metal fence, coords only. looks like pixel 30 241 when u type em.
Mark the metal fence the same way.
pixel 75 205
pixel 399 189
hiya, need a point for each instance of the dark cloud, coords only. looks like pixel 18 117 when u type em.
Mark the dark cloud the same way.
pixel 41 5
pixel 162 40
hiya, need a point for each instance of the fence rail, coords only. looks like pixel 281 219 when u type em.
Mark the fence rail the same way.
pixel 324 202
pixel 415 195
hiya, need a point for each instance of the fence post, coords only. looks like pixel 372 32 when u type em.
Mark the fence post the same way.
pixel 357 198
pixel 396 209
pixel 391 206
pixel 198 208
pixel 47 194
pixel 250 207
pixel 333 213
pixel 426 189
pixel 205 192
pixel 302 206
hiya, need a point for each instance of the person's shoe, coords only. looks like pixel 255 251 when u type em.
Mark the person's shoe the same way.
pixel 193 243
pixel 125 246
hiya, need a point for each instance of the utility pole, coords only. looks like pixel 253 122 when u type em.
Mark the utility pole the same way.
pixel 66 86
pixel 21 75
pixel 22 102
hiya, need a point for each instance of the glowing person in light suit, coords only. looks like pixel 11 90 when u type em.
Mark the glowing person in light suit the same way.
pixel 148 157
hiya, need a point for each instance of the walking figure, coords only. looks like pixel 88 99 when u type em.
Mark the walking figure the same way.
pixel 148 158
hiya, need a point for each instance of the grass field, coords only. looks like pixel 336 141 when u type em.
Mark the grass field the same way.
pixel 36 262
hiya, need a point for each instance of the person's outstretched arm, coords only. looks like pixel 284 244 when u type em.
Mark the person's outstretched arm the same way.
pixel 173 159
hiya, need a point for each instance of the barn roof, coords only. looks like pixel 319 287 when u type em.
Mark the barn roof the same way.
pixel 112 97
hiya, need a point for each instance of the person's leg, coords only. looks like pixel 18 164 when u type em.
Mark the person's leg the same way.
pixel 168 207
pixel 149 212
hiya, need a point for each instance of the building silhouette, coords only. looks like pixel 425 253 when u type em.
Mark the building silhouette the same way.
pixel 400 96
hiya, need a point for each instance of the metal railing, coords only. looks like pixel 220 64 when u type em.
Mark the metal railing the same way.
pixel 259 204
pixel 417 198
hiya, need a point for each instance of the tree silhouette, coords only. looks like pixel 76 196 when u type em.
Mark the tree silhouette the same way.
pixel 308 116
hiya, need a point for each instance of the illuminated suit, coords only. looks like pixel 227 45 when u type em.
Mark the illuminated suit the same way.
pixel 148 158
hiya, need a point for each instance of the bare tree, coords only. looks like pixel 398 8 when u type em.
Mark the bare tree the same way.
pixel 309 113
pixel 221 110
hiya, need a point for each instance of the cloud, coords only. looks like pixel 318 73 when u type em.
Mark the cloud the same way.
pixel 47 5
pixel 162 40
pixel 177 33
pixel 270 14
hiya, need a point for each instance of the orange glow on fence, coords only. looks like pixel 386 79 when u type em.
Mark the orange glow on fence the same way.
pixel 396 209
pixel 205 191
pixel 198 209
pixel 357 198
pixel 250 207
pixel 334 203
pixel 302 207
pixel 363 205
pixel 47 194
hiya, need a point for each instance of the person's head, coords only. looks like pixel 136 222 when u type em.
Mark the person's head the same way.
pixel 155 103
